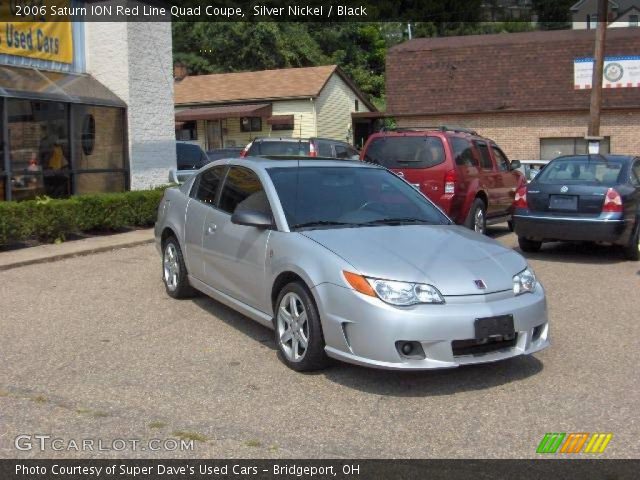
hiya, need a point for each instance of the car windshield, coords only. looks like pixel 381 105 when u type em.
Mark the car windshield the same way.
pixel 287 148
pixel 581 170
pixel 406 152
pixel 335 197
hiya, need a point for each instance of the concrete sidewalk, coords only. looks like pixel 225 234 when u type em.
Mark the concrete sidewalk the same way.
pixel 50 253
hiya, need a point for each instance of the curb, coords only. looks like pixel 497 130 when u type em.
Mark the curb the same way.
pixel 79 253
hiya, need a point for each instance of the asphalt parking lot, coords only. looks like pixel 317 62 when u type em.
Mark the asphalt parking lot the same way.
pixel 91 347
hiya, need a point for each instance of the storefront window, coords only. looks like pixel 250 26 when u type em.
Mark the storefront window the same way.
pixel 551 148
pixel 99 157
pixel 38 148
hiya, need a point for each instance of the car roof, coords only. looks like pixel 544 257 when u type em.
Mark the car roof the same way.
pixel 263 163
pixel 292 139
pixel 598 157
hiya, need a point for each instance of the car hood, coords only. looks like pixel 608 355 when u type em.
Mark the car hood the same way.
pixel 448 257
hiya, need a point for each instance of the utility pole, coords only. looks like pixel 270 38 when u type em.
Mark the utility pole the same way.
pixel 593 136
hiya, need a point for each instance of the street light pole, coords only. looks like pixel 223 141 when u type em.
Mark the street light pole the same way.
pixel 593 136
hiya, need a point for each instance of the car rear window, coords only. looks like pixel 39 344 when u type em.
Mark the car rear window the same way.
pixel 279 148
pixel 581 170
pixel 405 152
pixel 189 156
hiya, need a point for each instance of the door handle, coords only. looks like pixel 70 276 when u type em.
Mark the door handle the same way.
pixel 211 229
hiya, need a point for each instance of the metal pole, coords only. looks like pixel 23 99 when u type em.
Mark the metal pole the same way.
pixel 598 64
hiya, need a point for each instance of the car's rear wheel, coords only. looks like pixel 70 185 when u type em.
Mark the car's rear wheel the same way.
pixel 527 245
pixel 477 218
pixel 298 331
pixel 174 271
pixel 632 249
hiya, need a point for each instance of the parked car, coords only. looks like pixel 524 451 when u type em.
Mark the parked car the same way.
pixel 190 156
pixel 594 198
pixel 346 260
pixel 311 147
pixel 468 176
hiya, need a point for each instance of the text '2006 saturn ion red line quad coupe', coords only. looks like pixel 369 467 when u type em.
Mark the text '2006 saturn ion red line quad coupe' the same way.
pixel 346 260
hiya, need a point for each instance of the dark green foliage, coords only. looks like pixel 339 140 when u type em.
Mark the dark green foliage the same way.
pixel 52 219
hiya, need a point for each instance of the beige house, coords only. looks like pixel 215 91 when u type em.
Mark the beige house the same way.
pixel 231 109
pixel 621 14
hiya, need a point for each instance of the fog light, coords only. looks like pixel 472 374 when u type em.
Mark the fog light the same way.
pixel 410 349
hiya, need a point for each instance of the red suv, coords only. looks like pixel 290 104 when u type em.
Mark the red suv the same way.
pixel 466 175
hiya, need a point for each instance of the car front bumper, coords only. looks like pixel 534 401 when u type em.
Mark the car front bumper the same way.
pixel 364 330
pixel 549 228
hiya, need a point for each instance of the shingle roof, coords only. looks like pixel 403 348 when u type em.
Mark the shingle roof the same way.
pixel 530 71
pixel 248 86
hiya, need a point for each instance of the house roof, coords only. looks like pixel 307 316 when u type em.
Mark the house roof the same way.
pixel 287 83
pixel 530 71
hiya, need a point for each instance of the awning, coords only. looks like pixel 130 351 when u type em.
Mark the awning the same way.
pixel 224 111
pixel 280 120
pixel 30 83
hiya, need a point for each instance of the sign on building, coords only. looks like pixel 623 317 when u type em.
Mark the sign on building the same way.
pixel 49 38
pixel 618 72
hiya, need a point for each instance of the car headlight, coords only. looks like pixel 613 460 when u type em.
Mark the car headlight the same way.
pixel 395 293
pixel 524 282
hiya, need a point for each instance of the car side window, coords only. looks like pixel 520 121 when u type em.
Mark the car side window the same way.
pixel 205 188
pixel 243 190
pixel 463 152
pixel 485 156
pixel 635 173
pixel 501 159
pixel 324 149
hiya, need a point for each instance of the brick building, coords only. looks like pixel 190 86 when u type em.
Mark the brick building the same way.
pixel 517 89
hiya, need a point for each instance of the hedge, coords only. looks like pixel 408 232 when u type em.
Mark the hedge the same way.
pixel 48 219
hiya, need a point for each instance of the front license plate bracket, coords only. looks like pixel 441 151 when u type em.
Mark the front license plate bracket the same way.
pixel 494 327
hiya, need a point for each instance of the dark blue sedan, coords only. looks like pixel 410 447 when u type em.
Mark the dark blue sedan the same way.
pixel 592 198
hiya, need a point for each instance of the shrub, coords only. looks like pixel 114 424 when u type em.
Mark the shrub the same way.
pixel 51 219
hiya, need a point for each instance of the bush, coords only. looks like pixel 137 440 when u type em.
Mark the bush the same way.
pixel 51 219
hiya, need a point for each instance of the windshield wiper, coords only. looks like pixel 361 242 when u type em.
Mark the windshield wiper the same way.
pixel 392 221
pixel 320 223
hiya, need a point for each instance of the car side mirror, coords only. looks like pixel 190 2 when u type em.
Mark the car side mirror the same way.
pixel 252 218
pixel 515 164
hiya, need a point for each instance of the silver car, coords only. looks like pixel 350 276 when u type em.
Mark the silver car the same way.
pixel 346 260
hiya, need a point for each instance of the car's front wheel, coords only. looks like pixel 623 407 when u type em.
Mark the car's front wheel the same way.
pixel 477 219
pixel 632 249
pixel 298 331
pixel 174 271
pixel 527 245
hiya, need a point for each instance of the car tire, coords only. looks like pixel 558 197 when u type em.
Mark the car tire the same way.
pixel 477 218
pixel 529 246
pixel 297 321
pixel 632 249
pixel 174 271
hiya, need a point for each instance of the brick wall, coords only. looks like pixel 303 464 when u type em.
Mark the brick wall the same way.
pixel 519 134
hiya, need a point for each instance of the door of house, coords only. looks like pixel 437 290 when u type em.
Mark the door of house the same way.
pixel 214 134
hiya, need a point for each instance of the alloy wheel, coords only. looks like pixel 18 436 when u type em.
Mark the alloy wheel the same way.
pixel 478 225
pixel 171 267
pixel 293 327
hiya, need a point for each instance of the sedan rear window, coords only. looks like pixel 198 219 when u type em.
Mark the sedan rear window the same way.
pixel 405 152
pixel 581 170
pixel 279 148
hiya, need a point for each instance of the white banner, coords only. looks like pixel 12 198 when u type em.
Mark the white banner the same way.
pixel 618 72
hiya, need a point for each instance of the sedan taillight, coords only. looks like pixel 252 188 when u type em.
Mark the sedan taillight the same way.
pixel 520 200
pixel 612 202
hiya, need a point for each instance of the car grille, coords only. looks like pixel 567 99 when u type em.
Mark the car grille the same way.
pixel 475 347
